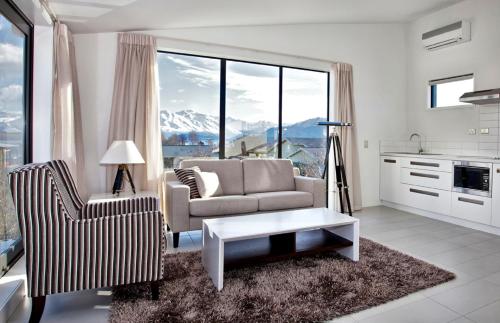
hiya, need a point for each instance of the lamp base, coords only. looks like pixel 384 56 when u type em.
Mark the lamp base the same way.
pixel 118 184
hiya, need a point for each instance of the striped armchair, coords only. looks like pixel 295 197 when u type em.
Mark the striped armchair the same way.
pixel 71 246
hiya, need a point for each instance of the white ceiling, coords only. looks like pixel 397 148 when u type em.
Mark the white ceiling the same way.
pixel 122 15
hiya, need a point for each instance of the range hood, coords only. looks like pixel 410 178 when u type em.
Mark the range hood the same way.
pixel 481 97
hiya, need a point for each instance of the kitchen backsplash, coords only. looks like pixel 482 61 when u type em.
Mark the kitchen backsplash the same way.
pixel 483 144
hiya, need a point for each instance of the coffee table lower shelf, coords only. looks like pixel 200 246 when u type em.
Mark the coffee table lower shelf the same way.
pixel 244 253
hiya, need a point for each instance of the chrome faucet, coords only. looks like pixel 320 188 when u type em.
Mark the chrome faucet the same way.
pixel 420 149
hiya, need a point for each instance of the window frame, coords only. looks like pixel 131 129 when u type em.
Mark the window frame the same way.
pixel 432 91
pixel 222 96
pixel 15 16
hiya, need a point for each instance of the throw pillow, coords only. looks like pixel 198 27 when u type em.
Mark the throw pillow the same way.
pixel 208 184
pixel 186 177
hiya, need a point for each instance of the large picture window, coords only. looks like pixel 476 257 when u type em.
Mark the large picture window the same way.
pixel 221 108
pixel 15 60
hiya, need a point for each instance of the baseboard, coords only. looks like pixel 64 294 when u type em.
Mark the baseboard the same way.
pixel 444 218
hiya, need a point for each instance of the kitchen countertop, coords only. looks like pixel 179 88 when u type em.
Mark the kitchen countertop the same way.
pixel 481 159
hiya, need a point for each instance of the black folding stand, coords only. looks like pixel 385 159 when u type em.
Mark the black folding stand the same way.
pixel 340 175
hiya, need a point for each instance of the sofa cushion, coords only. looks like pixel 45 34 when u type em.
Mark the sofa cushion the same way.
pixel 283 200
pixel 268 175
pixel 208 184
pixel 229 171
pixel 223 205
pixel 186 177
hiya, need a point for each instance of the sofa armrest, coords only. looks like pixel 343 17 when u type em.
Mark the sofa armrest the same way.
pixel 315 186
pixel 177 206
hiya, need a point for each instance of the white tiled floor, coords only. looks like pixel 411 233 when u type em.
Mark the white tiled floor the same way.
pixel 473 297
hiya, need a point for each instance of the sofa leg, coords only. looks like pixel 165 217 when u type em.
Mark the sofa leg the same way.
pixel 37 306
pixel 176 239
pixel 155 290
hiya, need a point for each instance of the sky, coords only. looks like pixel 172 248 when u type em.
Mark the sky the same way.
pixel 188 82
pixel 11 67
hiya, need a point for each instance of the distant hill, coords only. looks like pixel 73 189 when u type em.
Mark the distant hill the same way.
pixel 207 126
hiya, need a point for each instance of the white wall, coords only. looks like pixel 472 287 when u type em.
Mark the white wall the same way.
pixel 42 93
pixel 377 53
pixel 481 56
pixel 95 58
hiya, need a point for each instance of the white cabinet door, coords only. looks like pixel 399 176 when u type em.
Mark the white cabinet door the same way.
pixel 439 165
pixel 495 219
pixel 426 178
pixel 390 189
pixel 471 207
pixel 428 199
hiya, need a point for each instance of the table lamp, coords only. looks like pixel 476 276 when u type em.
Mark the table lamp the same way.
pixel 122 153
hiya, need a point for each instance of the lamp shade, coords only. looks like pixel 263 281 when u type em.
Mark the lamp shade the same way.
pixel 122 152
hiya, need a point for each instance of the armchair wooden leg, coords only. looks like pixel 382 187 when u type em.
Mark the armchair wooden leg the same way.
pixel 155 290
pixel 37 306
pixel 176 239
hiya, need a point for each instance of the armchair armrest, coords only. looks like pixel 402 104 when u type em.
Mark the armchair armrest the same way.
pixel 177 206
pixel 315 186
pixel 122 206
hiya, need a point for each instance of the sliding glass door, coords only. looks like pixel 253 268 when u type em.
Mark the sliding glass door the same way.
pixel 15 35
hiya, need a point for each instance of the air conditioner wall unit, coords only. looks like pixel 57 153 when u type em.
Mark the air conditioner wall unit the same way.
pixel 456 33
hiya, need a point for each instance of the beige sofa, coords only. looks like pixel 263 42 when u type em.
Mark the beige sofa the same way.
pixel 249 186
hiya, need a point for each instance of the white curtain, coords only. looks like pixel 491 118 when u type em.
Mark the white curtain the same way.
pixel 67 140
pixel 135 114
pixel 344 111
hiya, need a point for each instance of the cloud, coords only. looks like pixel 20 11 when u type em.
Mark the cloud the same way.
pixel 11 97
pixel 199 71
pixel 10 54
pixel 256 70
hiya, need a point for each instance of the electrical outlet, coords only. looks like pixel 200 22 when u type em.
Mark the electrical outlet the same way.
pixel 472 131
pixel 485 131
pixel 366 144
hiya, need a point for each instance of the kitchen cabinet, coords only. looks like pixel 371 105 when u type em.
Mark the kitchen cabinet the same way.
pixel 428 199
pixel 495 214
pixel 390 187
pixel 428 164
pixel 471 207
pixel 426 178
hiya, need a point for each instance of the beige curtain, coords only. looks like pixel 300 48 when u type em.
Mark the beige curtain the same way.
pixel 67 140
pixel 344 111
pixel 135 114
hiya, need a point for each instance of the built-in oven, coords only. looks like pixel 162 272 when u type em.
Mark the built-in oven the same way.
pixel 472 177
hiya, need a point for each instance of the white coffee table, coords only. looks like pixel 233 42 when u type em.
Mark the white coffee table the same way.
pixel 249 239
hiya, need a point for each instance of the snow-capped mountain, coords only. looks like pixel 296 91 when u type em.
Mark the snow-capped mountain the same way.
pixel 183 122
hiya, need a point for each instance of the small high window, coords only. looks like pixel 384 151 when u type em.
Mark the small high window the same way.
pixel 446 92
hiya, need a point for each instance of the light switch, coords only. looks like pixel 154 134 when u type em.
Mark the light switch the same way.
pixel 472 131
pixel 485 131
pixel 366 144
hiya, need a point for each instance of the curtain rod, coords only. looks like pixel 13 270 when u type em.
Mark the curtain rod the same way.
pixel 45 5
pixel 152 32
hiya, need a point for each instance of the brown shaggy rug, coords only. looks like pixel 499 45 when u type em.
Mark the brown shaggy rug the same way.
pixel 313 288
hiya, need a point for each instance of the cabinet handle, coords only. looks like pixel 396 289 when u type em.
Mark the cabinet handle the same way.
pixel 424 175
pixel 390 161
pixel 466 200
pixel 414 190
pixel 424 164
